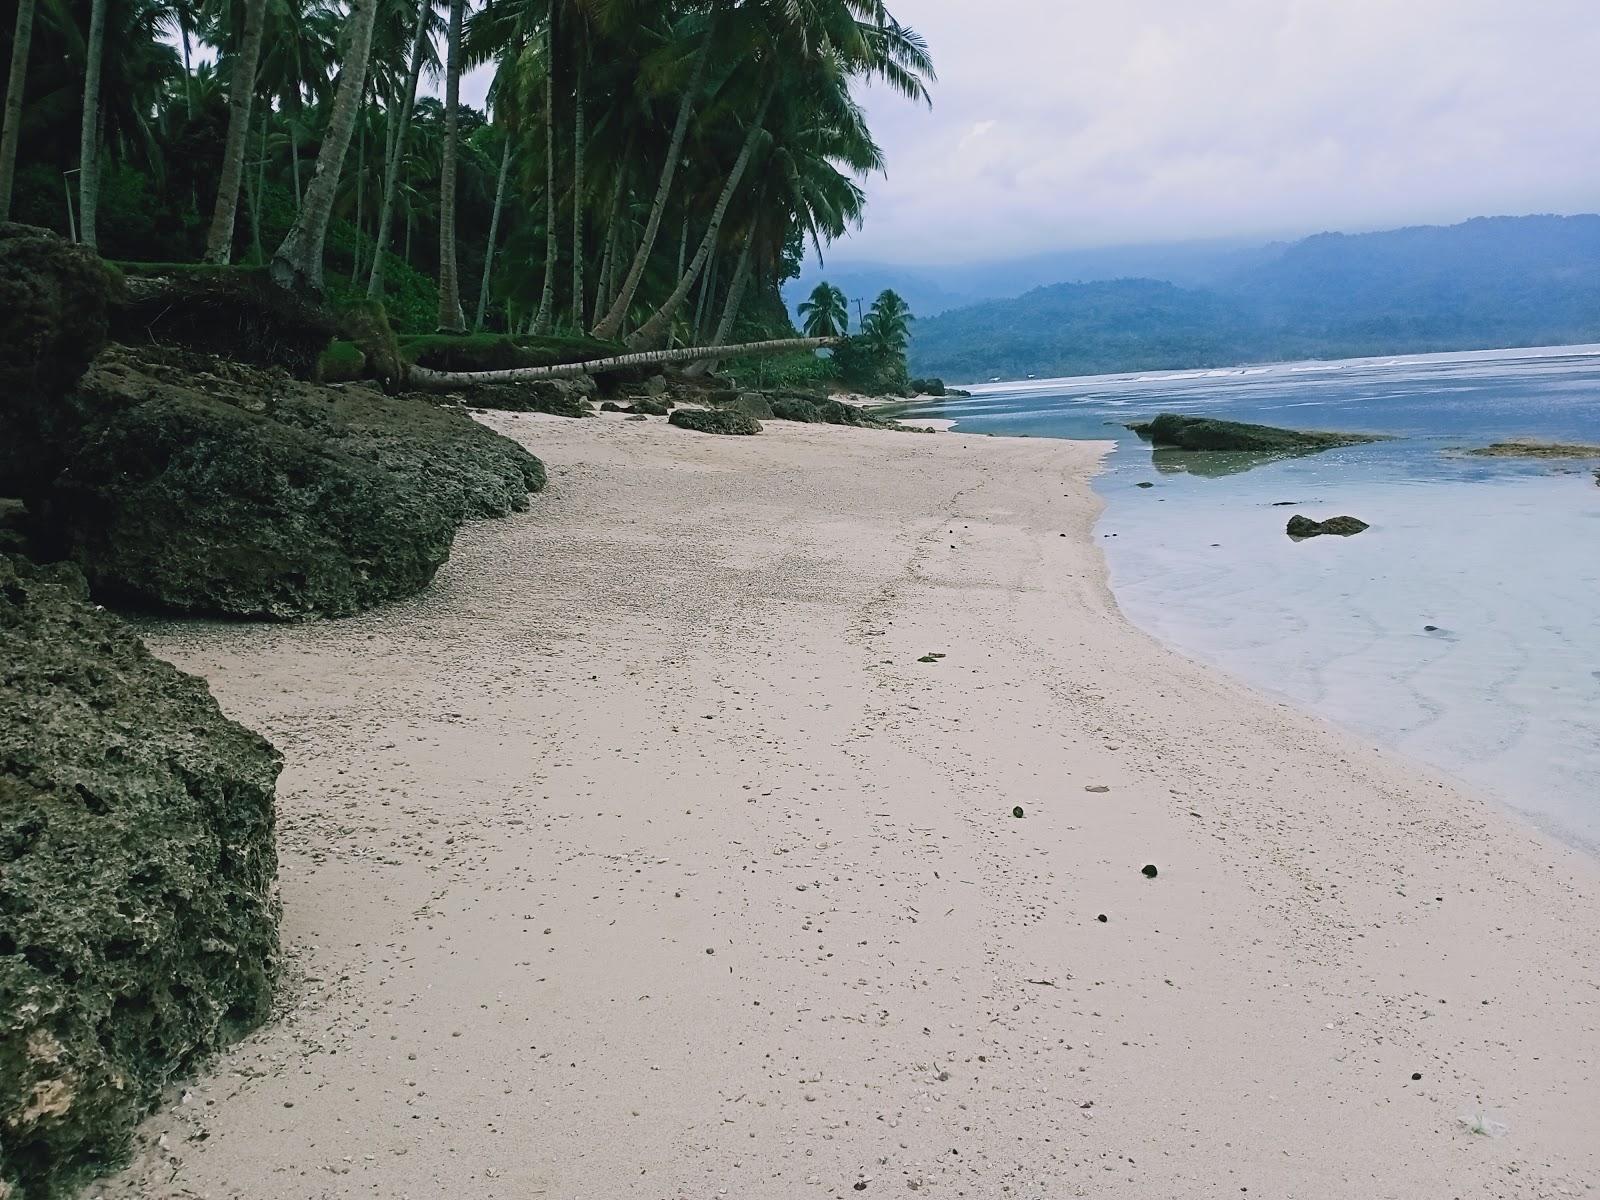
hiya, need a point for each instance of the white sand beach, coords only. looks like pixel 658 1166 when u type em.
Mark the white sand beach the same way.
pixel 643 856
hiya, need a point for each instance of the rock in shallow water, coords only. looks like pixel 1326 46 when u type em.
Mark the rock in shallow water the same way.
pixel 138 923
pixel 1305 527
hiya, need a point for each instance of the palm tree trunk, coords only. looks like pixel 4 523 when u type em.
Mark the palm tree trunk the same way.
pixel 219 240
pixel 361 178
pixel 298 262
pixel 294 152
pixel 89 133
pixel 655 329
pixel 730 307
pixel 602 288
pixel 181 10
pixel 577 203
pixel 451 318
pixel 391 164
pixel 447 380
pixel 494 230
pixel 541 322
pixel 261 184
pixel 708 283
pixel 11 132
pixel 609 324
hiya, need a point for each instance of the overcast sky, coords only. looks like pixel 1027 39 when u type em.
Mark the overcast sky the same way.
pixel 1072 123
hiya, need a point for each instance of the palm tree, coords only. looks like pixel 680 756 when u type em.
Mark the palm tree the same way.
pixel 451 318
pixel 89 136
pixel 609 325
pixel 541 320
pixel 887 327
pixel 826 313
pixel 397 150
pixel 11 132
pixel 297 263
pixel 494 233
pixel 219 240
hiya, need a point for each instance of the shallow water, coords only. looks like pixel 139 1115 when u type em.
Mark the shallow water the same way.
pixel 1500 557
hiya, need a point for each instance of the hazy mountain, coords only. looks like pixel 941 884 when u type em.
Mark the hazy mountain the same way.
pixel 1500 281
pixel 933 290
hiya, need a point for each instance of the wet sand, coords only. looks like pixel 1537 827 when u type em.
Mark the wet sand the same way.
pixel 642 856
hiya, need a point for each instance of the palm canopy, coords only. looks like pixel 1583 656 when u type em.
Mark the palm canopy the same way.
pixel 826 313
pixel 887 327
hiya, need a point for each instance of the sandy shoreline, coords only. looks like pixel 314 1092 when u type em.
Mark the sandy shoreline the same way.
pixel 642 857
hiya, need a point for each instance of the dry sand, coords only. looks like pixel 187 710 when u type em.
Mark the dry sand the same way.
pixel 642 857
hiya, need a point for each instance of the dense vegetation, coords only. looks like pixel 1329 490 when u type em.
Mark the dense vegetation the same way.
pixel 1486 283
pixel 648 172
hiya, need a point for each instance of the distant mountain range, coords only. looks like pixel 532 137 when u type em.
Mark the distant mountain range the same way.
pixel 933 290
pixel 1489 282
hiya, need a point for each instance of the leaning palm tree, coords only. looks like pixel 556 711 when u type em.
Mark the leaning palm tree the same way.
pixel 297 263
pixel 610 324
pixel 219 240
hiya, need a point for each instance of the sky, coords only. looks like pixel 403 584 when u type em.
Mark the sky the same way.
pixel 1060 124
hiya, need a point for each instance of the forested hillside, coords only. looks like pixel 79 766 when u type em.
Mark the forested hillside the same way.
pixel 1490 282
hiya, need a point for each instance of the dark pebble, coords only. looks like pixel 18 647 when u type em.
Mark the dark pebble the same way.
pixel 1017 811
pixel 1416 1075
pixel 1102 918
pixel 1149 870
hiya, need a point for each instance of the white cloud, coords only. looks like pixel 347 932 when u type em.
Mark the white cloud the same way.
pixel 1074 124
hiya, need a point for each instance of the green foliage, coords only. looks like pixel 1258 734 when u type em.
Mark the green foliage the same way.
pixel 341 362
pixel 826 313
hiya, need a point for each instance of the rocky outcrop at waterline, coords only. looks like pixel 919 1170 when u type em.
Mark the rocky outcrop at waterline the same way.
pixel 138 925
pixel 1300 527
pixel 194 483
pixel 1535 450
pixel 1176 432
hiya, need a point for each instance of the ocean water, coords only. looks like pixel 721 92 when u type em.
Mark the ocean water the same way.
pixel 1462 629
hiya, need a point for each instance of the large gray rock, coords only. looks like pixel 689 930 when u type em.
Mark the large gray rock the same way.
pixel 138 924
pixel 200 485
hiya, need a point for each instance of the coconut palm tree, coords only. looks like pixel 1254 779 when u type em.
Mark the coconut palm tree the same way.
pixel 89 136
pixel 11 131
pixel 297 263
pixel 701 39
pixel 420 44
pixel 219 240
pixel 887 326
pixel 451 318
pixel 826 313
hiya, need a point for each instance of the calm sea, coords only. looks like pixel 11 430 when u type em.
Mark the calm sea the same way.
pixel 1462 629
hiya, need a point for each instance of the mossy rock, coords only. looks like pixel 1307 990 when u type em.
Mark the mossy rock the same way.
pixel 712 420
pixel 138 919
pixel 203 486
pixel 233 312
pixel 341 362
pixel 366 324
pixel 1174 431
pixel 796 408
